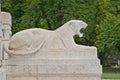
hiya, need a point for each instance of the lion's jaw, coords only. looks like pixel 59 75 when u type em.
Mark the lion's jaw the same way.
pixel 80 25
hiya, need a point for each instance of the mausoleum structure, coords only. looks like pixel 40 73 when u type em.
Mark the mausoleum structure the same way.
pixel 39 54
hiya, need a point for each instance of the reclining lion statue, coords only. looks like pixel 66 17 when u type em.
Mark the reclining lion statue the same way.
pixel 30 41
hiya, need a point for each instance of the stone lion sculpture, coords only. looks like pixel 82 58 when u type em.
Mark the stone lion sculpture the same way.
pixel 32 40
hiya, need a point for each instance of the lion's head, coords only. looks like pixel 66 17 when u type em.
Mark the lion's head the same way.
pixel 76 25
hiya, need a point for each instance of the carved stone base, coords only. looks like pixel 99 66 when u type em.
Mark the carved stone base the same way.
pixel 54 65
pixel 70 69
pixel 56 78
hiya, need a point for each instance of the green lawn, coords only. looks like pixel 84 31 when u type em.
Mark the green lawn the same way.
pixel 111 73
pixel 111 76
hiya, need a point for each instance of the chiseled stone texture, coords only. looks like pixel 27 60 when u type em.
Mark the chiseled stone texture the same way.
pixel 1 53
pixel 53 69
pixel 5 25
pixel 37 54
pixel 35 40
pixel 5 31
pixel 2 74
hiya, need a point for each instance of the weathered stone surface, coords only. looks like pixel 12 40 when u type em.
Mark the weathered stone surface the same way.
pixel 35 40
pixel 37 54
pixel 2 74
pixel 61 54
pixel 93 62
pixel 5 25
pixel 1 51
pixel 69 78
pixel 5 32
pixel 23 78
pixel 53 68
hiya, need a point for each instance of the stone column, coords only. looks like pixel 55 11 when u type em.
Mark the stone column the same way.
pixel 5 31
pixel 6 24
pixel 118 62
pixel 1 36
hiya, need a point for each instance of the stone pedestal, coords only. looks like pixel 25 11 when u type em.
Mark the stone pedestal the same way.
pixel 2 74
pixel 55 65
pixel 5 32
pixel 37 54
pixel 5 25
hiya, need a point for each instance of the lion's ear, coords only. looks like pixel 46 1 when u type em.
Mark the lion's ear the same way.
pixel 71 24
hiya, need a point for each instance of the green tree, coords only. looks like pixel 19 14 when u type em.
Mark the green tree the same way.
pixel 108 30
pixel 15 7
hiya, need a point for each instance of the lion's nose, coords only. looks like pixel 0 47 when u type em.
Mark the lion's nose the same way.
pixel 85 24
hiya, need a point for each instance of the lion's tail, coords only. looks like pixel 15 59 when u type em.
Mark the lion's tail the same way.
pixel 17 53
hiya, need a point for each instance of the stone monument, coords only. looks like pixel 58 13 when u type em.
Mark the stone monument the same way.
pixel 38 54
pixel 5 21
pixel 5 32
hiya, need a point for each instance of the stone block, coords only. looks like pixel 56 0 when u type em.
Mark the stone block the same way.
pixel 19 62
pixel 53 69
pixel 60 54
pixel 68 78
pixel 2 74
pixel 5 18
pixel 23 78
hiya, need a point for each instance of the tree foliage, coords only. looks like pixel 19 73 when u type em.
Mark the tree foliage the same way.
pixel 108 30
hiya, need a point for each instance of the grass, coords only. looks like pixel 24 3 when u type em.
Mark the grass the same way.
pixel 111 73
pixel 111 76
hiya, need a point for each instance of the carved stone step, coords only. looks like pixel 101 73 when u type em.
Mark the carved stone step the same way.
pixel 60 54
pixel 53 69
pixel 92 62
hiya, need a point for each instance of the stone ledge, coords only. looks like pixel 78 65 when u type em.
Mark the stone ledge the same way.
pixel 67 54
pixel 54 69
pixel 52 62
pixel 53 75
pixel 56 78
